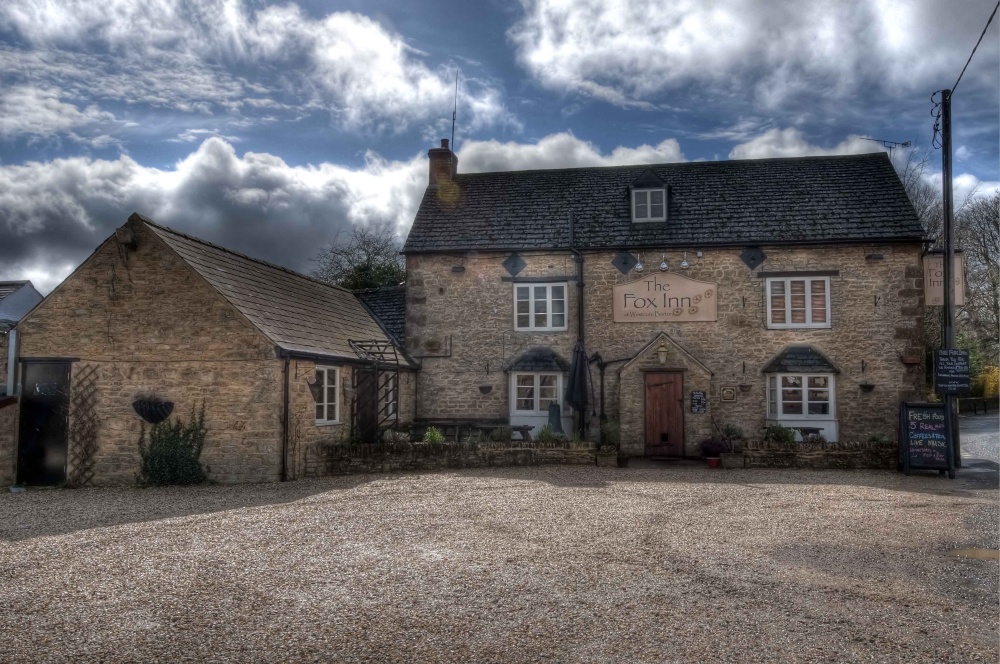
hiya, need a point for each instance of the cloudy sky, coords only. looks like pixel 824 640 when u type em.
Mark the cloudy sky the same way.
pixel 267 127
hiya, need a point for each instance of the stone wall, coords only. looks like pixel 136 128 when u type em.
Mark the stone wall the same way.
pixel 324 459
pixel 4 341
pixel 459 325
pixel 149 324
pixel 8 439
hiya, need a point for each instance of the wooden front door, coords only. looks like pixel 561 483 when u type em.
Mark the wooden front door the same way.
pixel 665 414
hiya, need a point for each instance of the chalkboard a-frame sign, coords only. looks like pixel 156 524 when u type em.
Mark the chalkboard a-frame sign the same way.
pixel 924 439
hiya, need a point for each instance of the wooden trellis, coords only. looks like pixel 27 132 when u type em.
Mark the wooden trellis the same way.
pixel 371 412
pixel 83 426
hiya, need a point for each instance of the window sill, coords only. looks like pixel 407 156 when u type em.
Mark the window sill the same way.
pixel 782 328
pixel 541 330
pixel 327 423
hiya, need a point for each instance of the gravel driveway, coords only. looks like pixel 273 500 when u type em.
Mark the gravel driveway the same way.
pixel 521 564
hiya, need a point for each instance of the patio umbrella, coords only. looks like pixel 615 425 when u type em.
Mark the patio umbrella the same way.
pixel 576 386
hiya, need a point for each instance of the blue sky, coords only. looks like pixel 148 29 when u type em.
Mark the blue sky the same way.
pixel 269 127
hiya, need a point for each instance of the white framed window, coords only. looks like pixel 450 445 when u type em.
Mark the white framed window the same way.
pixel 388 396
pixel 801 397
pixel 540 307
pixel 797 302
pixel 534 392
pixel 649 205
pixel 328 403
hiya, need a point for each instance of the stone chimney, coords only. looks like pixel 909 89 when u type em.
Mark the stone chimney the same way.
pixel 444 164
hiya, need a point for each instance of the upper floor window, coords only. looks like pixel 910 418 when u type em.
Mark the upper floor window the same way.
pixel 798 302
pixel 540 306
pixel 328 403
pixel 649 205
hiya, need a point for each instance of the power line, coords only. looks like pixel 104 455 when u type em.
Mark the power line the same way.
pixel 976 46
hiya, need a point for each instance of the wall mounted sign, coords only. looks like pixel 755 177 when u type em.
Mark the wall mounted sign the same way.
pixel 698 401
pixel 951 371
pixel 665 297
pixel 934 280
pixel 728 393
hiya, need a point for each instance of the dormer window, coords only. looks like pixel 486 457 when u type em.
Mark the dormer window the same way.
pixel 649 205
pixel 649 198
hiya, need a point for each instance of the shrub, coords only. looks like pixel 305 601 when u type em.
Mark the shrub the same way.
pixel 433 436
pixel 712 447
pixel 777 434
pixel 733 436
pixel 171 453
pixel 611 434
pixel 395 437
pixel 501 434
pixel 547 436
pixel 815 438
pixel 878 439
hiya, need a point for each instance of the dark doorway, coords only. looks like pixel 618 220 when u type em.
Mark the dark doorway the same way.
pixel 664 414
pixel 366 403
pixel 44 423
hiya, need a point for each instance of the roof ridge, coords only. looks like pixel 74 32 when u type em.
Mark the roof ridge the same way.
pixel 15 282
pixel 152 223
pixel 680 163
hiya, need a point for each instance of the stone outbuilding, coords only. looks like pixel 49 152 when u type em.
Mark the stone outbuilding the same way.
pixel 16 299
pixel 280 362
pixel 744 292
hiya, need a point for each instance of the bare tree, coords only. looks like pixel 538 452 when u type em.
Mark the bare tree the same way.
pixel 366 257
pixel 978 232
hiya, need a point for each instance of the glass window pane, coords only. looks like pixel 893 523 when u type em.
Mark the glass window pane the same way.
pixel 772 382
pixel 541 306
pixel 558 292
pixel 655 211
pixel 558 320
pixel 523 306
pixel 819 395
pixel 523 321
pixel 547 381
pixel 792 407
pixel 778 309
pixel 822 408
pixel 541 293
pixel 791 395
pixel 641 212
pixel 525 380
pixel 558 306
pixel 656 197
pixel 522 292
pixel 319 411
pixel 818 301
pixel 541 320
pixel 791 381
pixel 819 381
pixel 798 301
pixel 641 197
pixel 331 394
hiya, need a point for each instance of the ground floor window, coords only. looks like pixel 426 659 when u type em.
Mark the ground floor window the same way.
pixel 388 392
pixel 328 403
pixel 534 392
pixel 800 396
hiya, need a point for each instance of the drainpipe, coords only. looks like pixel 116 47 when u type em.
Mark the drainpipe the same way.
pixel 284 424
pixel 579 300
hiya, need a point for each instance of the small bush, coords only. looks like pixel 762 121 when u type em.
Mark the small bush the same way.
pixel 611 434
pixel 815 438
pixel 433 436
pixel 501 434
pixel 878 439
pixel 777 434
pixel 171 453
pixel 733 437
pixel 395 437
pixel 712 447
pixel 547 436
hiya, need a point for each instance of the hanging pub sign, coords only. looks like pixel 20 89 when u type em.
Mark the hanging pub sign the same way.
pixel 951 371
pixel 934 280
pixel 924 439
pixel 665 297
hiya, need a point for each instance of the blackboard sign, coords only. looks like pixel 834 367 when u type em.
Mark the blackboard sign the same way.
pixel 698 401
pixel 924 439
pixel 951 371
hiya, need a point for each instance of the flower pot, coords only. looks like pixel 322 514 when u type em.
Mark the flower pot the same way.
pixel 866 387
pixel 714 462
pixel 153 411
pixel 745 387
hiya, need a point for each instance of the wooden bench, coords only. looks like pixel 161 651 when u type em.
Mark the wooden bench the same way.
pixel 454 428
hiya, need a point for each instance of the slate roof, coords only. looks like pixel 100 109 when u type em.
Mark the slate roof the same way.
pixel 800 359
pixel 539 359
pixel 299 314
pixel 8 287
pixel 389 306
pixel 738 202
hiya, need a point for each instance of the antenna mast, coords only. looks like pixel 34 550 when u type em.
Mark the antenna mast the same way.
pixel 888 144
pixel 454 113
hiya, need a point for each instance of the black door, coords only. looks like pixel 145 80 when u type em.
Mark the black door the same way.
pixel 42 439
pixel 366 404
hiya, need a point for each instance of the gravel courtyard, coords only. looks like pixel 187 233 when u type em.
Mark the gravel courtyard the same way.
pixel 520 564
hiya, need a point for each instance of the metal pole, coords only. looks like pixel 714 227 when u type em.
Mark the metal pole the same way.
pixel 949 264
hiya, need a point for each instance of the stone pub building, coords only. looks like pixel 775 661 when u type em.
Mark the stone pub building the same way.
pixel 747 292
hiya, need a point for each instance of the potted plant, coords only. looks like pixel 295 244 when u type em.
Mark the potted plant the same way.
pixel 609 449
pixel 712 449
pixel 733 437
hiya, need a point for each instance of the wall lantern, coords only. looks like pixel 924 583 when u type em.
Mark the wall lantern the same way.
pixel 664 265
pixel 639 267
pixel 684 263
pixel 661 353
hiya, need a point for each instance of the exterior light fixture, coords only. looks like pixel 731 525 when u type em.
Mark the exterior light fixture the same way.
pixel 684 263
pixel 664 266
pixel 639 267
pixel 661 353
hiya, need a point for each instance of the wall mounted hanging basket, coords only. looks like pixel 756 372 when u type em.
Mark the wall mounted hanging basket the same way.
pixel 153 411
pixel 866 387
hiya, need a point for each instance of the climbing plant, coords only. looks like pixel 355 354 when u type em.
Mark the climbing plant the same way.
pixel 171 452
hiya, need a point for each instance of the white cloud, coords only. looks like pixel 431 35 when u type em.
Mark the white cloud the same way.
pixel 562 150
pixel 791 143
pixel 35 112
pixel 222 56
pixel 628 52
